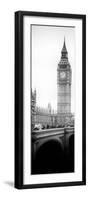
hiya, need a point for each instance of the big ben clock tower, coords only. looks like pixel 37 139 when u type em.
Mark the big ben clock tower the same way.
pixel 64 85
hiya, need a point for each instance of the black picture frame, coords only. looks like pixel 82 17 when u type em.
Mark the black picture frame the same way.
pixel 19 101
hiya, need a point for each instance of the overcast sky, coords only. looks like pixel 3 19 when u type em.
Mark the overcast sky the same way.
pixel 47 43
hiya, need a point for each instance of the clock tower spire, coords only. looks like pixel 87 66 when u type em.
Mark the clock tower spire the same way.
pixel 64 85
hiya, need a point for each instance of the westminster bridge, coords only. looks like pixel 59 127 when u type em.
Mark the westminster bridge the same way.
pixel 53 150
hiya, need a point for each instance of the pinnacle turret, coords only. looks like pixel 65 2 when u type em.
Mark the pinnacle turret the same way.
pixel 64 56
pixel 64 50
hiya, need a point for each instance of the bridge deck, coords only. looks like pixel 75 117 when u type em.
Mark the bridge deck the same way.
pixel 50 132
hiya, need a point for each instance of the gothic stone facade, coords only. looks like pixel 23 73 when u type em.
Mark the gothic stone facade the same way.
pixel 63 116
pixel 64 74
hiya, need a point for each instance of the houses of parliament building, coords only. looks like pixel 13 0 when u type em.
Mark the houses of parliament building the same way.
pixel 63 116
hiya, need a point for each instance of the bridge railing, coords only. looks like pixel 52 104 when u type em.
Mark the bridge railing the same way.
pixel 49 132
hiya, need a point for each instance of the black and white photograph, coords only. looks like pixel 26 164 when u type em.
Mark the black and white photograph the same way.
pixel 50 108
pixel 52 99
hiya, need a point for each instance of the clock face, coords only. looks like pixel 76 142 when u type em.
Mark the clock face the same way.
pixel 62 75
